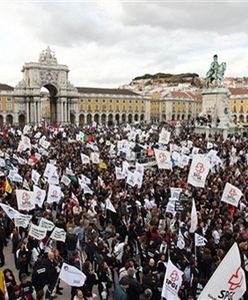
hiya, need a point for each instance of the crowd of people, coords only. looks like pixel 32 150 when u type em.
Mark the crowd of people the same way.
pixel 123 247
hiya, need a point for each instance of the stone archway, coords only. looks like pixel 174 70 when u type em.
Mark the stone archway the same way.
pixel 9 119
pixel 63 96
pixel 96 118
pixel 72 118
pixel 21 120
pixel 103 119
pixel 1 121
pixel 89 119
pixel 123 118
pixel 81 120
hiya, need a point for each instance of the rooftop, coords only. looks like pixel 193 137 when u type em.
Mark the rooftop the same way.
pixel 88 90
pixel 5 87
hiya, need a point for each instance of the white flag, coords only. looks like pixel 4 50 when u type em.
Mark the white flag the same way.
pixel 72 276
pixel 25 200
pixel 10 212
pixel 54 194
pixel 65 180
pixel 200 241
pixel 164 137
pixel 47 224
pixel 140 168
pixel 95 157
pixel 85 159
pixel 50 168
pixel 109 205
pixel 180 241
pixel 22 220
pixel 163 159
pixel 37 232
pixel 172 282
pixel 231 195
pixel 175 192
pixel 35 176
pixel 228 280
pixel 194 218
pixel 53 177
pixel 198 171
pixel 131 179
pixel 58 234
pixel 125 168
pixel 118 173
pixel 87 190
pixel 40 195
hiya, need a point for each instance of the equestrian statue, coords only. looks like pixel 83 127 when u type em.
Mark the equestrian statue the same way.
pixel 215 73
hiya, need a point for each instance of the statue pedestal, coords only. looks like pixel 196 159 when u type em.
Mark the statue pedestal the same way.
pixel 215 105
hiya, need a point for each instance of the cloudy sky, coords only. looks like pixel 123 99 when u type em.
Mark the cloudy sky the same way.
pixel 107 43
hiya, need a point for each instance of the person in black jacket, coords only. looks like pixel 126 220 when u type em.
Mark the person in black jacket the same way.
pixel 135 289
pixel 52 272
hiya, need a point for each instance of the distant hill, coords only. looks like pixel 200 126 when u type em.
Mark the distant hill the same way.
pixel 170 79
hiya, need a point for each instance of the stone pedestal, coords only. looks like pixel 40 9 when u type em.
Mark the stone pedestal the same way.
pixel 215 105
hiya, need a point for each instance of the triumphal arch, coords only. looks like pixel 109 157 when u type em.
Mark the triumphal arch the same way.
pixel 62 96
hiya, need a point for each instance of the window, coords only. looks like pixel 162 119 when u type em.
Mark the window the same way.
pixel 9 104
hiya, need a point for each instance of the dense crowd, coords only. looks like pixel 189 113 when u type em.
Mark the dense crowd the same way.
pixel 123 250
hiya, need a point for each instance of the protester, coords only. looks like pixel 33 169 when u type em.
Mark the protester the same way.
pixel 118 213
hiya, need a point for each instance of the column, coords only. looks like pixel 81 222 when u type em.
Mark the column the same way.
pixel 35 111
pixel 58 112
pixel 31 110
pixel 68 112
pixel 65 111
pixel 39 112
pixel 27 112
pixel 62 119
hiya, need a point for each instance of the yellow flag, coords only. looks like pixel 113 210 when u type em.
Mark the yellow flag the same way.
pixel 102 165
pixel 8 187
pixel 2 284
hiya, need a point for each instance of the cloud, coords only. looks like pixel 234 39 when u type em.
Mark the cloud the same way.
pixel 107 43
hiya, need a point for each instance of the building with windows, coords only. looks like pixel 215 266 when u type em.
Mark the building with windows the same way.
pixel 239 105
pixel 64 103
pixel 175 106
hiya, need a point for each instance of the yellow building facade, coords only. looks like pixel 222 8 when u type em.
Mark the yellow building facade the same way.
pixel 111 106
pixel 239 105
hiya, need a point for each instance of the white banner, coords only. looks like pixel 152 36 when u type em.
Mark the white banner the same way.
pixel 54 194
pixel 37 232
pixel 22 220
pixel 85 159
pixel 47 224
pixel 200 241
pixel 180 241
pixel 58 234
pixel 172 282
pixel 50 168
pixel 198 171
pixel 193 218
pixel 163 159
pixel 72 276
pixel 25 200
pixel 125 168
pixel 53 177
pixel 35 176
pixel 228 280
pixel 109 205
pixel 10 212
pixel 118 173
pixel 95 157
pixel 40 195
pixel 65 180
pixel 139 168
pixel 231 195
pixel 164 137
pixel 131 179
pixel 175 192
